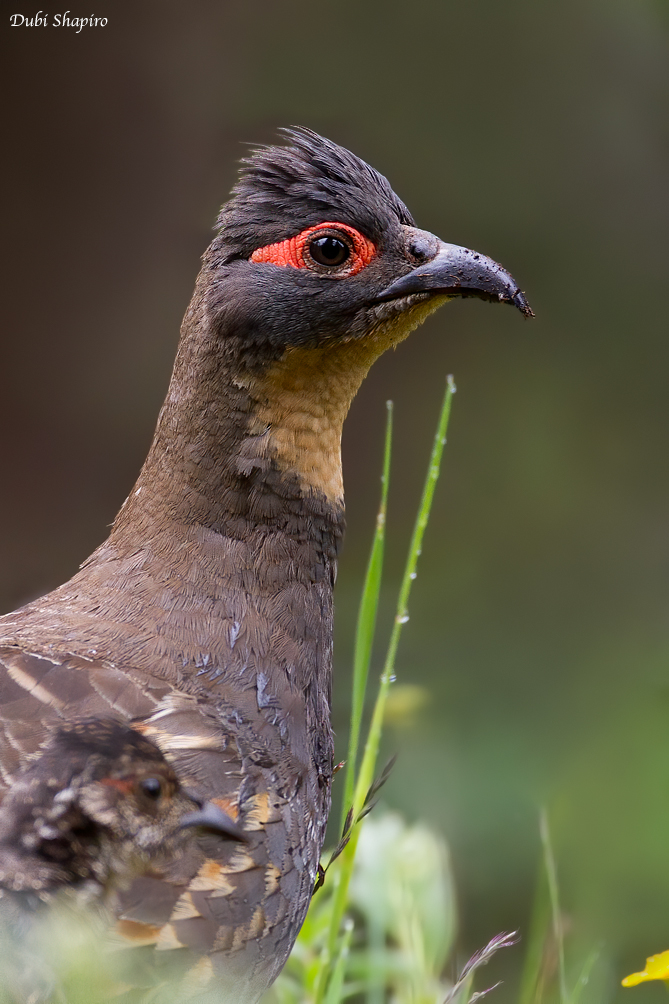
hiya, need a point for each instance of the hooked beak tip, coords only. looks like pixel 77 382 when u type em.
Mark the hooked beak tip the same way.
pixel 457 271
pixel 518 300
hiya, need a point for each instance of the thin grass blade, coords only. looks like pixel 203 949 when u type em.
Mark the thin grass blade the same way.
pixel 551 876
pixel 368 766
pixel 366 626
pixel 365 777
pixel 539 933
pixel 335 992
pixel 584 975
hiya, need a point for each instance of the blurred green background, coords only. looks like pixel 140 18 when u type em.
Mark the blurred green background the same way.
pixel 535 132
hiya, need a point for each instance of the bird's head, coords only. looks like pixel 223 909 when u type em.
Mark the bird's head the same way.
pixel 318 268
pixel 315 249
pixel 100 801
pixel 124 786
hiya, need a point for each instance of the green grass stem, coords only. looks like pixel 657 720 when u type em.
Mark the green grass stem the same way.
pixel 336 985
pixel 368 765
pixel 343 873
pixel 551 876
pixel 585 974
pixel 530 991
pixel 366 626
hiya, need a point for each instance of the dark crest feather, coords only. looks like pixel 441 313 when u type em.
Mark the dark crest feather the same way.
pixel 281 190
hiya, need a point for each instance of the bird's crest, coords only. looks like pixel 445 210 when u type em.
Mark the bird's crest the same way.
pixel 283 189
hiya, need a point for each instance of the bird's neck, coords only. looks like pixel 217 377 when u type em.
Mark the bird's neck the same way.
pixel 220 566
pixel 246 444
pixel 249 437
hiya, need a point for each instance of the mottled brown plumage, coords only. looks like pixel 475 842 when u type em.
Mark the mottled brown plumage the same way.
pixel 99 805
pixel 205 619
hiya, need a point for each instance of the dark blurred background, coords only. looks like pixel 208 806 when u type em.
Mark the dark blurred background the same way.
pixel 534 132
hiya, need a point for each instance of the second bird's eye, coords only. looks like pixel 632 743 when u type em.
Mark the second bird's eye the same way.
pixel 329 251
pixel 152 787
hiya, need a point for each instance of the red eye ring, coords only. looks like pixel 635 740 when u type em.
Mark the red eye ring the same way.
pixel 295 250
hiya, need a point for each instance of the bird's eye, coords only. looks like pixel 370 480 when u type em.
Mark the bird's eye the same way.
pixel 333 249
pixel 329 251
pixel 152 786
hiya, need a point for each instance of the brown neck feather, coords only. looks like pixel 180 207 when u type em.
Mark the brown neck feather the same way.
pixel 219 569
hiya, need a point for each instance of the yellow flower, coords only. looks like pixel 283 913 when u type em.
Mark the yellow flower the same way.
pixel 657 968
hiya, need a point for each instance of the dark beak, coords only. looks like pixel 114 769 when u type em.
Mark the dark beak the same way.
pixel 457 271
pixel 210 817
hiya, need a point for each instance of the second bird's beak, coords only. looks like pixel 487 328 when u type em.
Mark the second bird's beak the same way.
pixel 457 271
pixel 211 817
